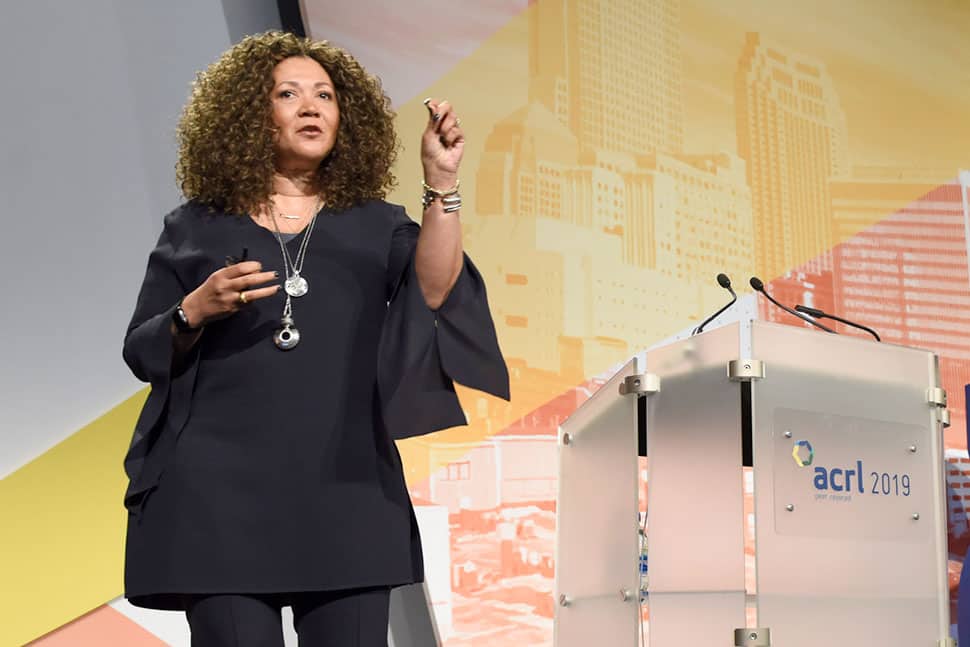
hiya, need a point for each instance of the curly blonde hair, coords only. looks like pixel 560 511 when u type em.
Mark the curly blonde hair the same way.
pixel 226 133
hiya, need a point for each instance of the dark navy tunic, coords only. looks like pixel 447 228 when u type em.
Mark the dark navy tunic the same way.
pixel 254 470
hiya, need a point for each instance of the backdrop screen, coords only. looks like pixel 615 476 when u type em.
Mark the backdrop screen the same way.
pixel 620 154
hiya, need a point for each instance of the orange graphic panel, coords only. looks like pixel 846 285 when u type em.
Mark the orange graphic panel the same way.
pixel 101 627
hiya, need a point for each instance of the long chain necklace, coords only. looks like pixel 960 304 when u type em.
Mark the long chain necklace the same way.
pixel 288 336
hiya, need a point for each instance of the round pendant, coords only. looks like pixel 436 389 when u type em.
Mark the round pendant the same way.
pixel 296 286
pixel 286 337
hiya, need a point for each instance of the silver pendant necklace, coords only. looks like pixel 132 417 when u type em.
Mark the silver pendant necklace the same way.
pixel 295 286
pixel 289 335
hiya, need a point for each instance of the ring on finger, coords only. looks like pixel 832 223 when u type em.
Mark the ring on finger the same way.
pixel 242 298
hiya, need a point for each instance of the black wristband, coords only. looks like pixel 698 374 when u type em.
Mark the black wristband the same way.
pixel 180 320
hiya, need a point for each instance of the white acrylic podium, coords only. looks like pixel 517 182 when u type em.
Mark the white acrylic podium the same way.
pixel 845 439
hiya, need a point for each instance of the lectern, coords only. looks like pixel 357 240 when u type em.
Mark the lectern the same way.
pixel 843 437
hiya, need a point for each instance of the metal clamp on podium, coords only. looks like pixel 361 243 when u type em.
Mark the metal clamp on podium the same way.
pixel 752 637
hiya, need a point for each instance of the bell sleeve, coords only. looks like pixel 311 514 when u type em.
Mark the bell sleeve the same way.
pixel 423 352
pixel 148 351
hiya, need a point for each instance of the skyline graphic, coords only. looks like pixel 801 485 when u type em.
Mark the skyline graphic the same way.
pixel 598 236
pixel 597 239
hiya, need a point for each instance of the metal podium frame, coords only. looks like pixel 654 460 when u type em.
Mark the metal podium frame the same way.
pixel 411 621
pixel 844 439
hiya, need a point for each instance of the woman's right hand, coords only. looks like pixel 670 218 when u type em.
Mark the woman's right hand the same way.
pixel 228 290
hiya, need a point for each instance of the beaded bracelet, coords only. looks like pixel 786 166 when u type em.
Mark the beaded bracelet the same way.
pixel 430 189
pixel 450 199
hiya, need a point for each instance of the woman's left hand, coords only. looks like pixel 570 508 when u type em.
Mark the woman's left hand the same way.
pixel 442 145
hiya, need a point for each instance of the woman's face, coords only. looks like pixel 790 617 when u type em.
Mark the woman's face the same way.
pixel 305 112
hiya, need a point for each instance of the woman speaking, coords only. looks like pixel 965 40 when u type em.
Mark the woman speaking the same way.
pixel 292 324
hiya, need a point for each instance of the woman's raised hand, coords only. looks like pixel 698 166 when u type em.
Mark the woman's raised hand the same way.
pixel 442 145
pixel 227 290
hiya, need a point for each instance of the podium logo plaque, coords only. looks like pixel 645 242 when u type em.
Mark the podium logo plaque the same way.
pixel 847 477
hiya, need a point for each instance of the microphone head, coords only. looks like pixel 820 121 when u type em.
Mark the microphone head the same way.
pixel 757 284
pixel 724 281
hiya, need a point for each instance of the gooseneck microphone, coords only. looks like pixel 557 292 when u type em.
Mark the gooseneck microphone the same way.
pixel 818 314
pixel 759 286
pixel 724 282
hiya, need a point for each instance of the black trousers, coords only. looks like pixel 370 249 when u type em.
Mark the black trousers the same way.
pixel 351 618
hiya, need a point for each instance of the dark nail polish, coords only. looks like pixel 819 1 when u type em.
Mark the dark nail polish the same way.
pixel 276 274
pixel 436 117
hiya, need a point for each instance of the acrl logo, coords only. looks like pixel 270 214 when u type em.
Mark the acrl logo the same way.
pixel 803 453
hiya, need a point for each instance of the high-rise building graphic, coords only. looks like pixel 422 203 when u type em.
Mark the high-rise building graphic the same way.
pixel 704 225
pixel 907 276
pixel 964 179
pixel 791 131
pixel 605 251
pixel 625 99
pixel 613 234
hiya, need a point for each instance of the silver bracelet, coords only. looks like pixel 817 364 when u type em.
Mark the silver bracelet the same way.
pixel 451 201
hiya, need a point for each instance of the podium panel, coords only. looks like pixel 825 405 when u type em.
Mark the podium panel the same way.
pixel 695 497
pixel 597 546
pixel 850 518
